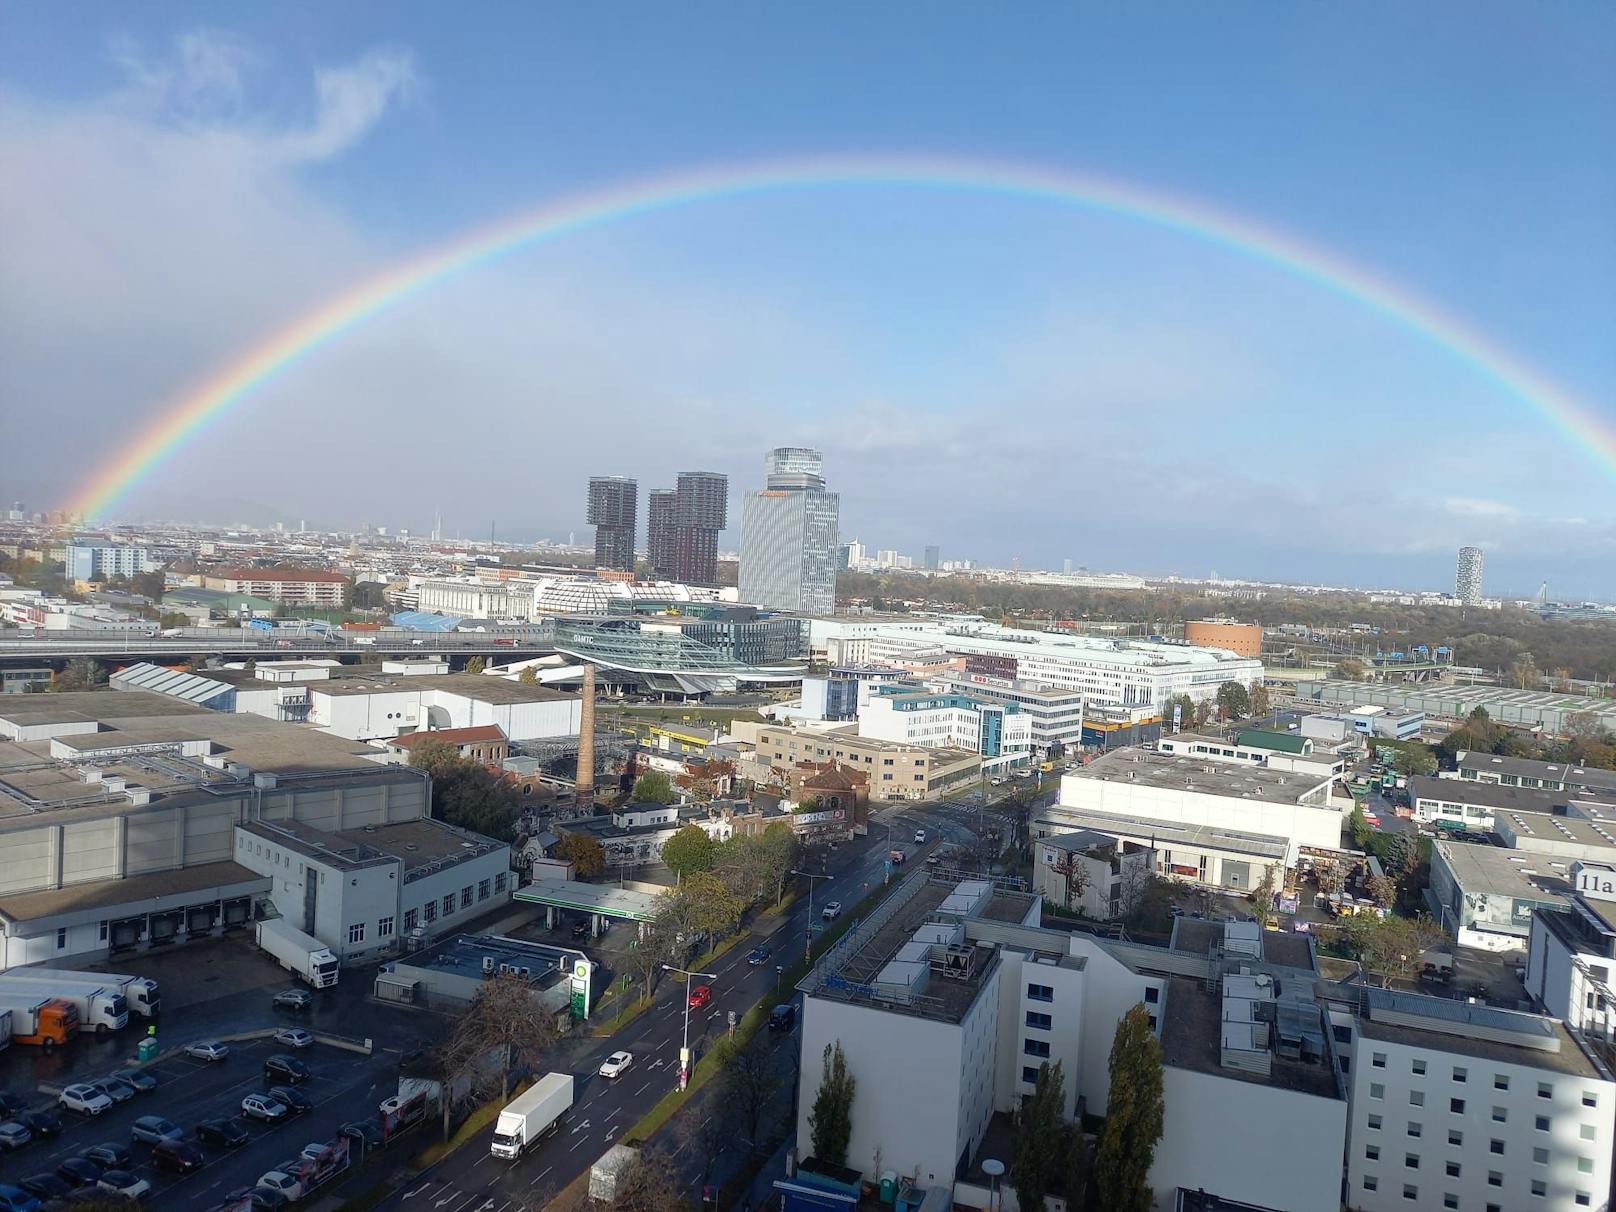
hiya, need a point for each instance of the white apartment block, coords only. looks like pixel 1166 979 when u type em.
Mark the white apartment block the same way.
pixel 1000 733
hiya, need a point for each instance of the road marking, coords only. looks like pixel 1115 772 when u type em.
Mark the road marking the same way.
pixel 609 1117
pixel 642 1089
pixel 575 1145
pixel 580 1128
pixel 538 1178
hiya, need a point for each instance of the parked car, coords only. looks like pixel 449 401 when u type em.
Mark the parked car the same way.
pixel 14 1135
pixel 124 1183
pixel 84 1097
pixel 758 955
pixel 364 1133
pixel 110 1156
pixel 265 1107
pixel 700 996
pixel 149 1129
pixel 783 1017
pixel 293 1100
pixel 208 1050
pixel 178 1156
pixel 616 1064
pixel 115 1088
pixel 281 1067
pixel 294 1037
pixel 293 999
pixel 80 1171
pixel 47 1186
pixel 15 1199
pixel 143 1082
pixel 580 929
pixel 227 1133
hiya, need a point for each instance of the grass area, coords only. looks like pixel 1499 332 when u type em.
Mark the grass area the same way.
pixel 622 1018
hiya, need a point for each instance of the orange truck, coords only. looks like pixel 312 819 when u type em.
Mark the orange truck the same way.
pixel 46 1021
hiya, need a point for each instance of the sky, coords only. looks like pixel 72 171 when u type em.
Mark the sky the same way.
pixel 1002 377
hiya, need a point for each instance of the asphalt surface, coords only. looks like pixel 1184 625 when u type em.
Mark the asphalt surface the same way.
pixel 471 1180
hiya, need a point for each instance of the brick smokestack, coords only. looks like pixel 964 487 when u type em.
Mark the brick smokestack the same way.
pixel 584 792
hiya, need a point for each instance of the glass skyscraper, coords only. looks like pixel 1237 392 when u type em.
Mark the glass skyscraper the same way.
pixel 788 535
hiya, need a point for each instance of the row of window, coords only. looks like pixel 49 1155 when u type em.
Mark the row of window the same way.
pixel 1540 1157
pixel 1540 1189
pixel 1459 1073
pixel 1542 1123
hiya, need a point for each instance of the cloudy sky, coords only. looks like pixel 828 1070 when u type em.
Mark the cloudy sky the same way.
pixel 1003 377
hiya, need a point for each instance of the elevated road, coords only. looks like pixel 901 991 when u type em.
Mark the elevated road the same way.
pixel 282 643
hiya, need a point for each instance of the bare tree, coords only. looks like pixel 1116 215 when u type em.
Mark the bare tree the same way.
pixel 649 1184
pixel 508 1021
pixel 1070 866
pixel 750 1082
pixel 707 1140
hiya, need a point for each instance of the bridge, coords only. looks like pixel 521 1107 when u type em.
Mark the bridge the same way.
pixel 281 643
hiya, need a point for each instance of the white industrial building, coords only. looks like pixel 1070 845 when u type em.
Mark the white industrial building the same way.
pixel 1054 714
pixel 379 708
pixel 1485 895
pixel 1572 952
pixel 1471 766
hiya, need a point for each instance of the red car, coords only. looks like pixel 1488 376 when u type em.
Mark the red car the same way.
pixel 700 996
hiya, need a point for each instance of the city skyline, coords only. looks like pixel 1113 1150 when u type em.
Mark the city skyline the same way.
pixel 702 327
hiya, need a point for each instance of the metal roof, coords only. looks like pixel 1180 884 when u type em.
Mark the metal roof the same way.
pixel 205 692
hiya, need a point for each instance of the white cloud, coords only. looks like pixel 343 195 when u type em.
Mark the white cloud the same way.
pixel 1476 507
pixel 349 101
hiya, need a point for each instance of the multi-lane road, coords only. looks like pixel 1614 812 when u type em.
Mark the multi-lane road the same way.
pixel 471 1180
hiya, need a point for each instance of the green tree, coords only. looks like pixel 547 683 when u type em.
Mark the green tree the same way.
pixel 466 793
pixel 528 676
pixel 1036 1159
pixel 1351 669
pixel 1360 829
pixel 688 851
pixel 1233 701
pixel 475 665
pixel 82 673
pixel 1260 702
pixel 584 852
pixel 148 585
pixel 1524 674
pixel 1414 758
pixel 777 856
pixel 830 1121
pixel 1134 1116
pixel 1262 897
pixel 653 787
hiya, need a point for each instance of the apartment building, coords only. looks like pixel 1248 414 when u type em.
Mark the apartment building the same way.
pixel 910 714
pixel 296 586
pixel 896 770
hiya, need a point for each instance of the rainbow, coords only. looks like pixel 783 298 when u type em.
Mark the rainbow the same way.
pixel 236 382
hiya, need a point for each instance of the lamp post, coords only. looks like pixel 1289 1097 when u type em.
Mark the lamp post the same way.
pixel 808 929
pixel 684 1052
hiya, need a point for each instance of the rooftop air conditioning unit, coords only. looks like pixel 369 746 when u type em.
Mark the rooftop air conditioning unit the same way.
pixel 488 965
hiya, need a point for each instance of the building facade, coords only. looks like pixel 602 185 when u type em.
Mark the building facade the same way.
pixel 701 510
pixel 896 771
pixel 88 562
pixel 662 525
pixel 788 535
pixel 1242 639
pixel 613 507
pixel 295 586
pixel 1467 576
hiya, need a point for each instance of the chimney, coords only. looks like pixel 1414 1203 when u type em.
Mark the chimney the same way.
pixel 584 791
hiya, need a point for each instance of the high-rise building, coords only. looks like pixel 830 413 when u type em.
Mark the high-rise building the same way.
pixel 701 511
pixel 933 555
pixel 1467 581
pixel 788 535
pixel 613 503
pixel 662 532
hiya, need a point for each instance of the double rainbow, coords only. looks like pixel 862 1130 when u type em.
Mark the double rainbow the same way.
pixel 1586 428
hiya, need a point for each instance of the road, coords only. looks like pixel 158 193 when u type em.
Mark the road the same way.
pixel 507 644
pixel 471 1180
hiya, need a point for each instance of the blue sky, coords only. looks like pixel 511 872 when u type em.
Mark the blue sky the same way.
pixel 1002 378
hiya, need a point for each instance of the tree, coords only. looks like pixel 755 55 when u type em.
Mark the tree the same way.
pixel 1359 827
pixel 1414 758
pixel 1351 669
pixel 466 793
pixel 1134 1116
pixel 584 852
pixel 1394 948
pixel 528 676
pixel 1070 866
pixel 1203 712
pixel 750 1082
pixel 1259 699
pixel 648 1184
pixel 1233 701
pixel 1036 1158
pixel 777 856
pixel 653 787
pixel 1186 711
pixel 700 904
pixel 507 1022
pixel 1075 1180
pixel 1262 897
pixel 475 665
pixel 830 1122
pixel 1524 674
pixel 688 851
pixel 149 585
pixel 1382 890
pixel 82 673
pixel 644 959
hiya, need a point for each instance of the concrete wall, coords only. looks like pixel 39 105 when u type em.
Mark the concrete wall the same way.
pixel 1268 1146
pixel 454 881
pixel 1064 1035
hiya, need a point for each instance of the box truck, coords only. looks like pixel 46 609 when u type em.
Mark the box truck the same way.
pixel 531 1116
pixel 297 952
pixel 99 1008
pixel 46 1021
pixel 140 992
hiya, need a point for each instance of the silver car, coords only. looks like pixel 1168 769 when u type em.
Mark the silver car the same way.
pixel 14 1135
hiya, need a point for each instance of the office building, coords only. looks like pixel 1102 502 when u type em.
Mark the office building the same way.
pixel 614 502
pixel 701 510
pixel 1054 715
pixel 788 535
pixel 1467 577
pixel 662 533
pixel 1094 873
pixel 1571 954
pixel 91 562
pixel 896 770
pixel 908 712
pixel 933 558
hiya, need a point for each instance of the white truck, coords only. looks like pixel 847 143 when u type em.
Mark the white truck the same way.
pixel 607 1173
pixel 99 1008
pixel 140 992
pixel 531 1116
pixel 297 952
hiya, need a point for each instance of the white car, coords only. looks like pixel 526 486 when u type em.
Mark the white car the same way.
pixel 920 837
pixel 263 1106
pixel 85 1098
pixel 294 1037
pixel 832 911
pixel 124 1183
pixel 208 1050
pixel 616 1064
pixel 283 1183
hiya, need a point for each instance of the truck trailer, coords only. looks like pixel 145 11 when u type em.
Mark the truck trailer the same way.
pixel 299 953
pixel 99 1008
pixel 531 1116
pixel 140 992
pixel 46 1021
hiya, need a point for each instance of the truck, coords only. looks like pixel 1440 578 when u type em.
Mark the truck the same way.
pixel 607 1173
pixel 299 953
pixel 46 1021
pixel 98 1007
pixel 531 1116
pixel 140 992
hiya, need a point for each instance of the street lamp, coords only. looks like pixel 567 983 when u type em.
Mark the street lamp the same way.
pixel 684 1052
pixel 808 930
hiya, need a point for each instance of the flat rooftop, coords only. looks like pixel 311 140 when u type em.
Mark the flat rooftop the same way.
pixel 463 955
pixel 483 688
pixel 1280 948
pixel 1557 772
pixel 1495 871
pixel 1192 1038
pixel 1186 772
pixel 1140 828
pixel 1497 796
pixel 414 844
pixel 135 889
pixel 1486 1032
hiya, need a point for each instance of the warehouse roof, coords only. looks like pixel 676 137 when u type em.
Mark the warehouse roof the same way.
pixel 1190 773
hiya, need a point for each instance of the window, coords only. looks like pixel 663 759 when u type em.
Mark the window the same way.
pixel 101 931
pixel 1456 1106
pixel 1029 1075
pixel 1040 993
pixel 1455 1137
pixel 1410 1191
pixel 448 905
pixel 1372 1152
pixel 1450 1200
pixel 1539 1187
pixel 1378 1060
pixel 465 897
pixel 1590 1099
pixel 1039 1022
pixel 1545 1090
pixel 1497 1147
pixel 430 911
pixel 384 927
pixel 61 937
pixel 1343 1035
pixel 1543 1123
pixel 1370 1182
pixel 1452 1169
pixel 499 882
pixel 1500 1115
pixel 1540 1157
pixel 1376 1090
pixel 1495 1178
pixel 1587 1132
pixel 1416 1098
pixel 1415 1129
pixel 1152 994
pixel 1035 1047
pixel 1500 1082
pixel 1374 1122
pixel 1411 1161
pixel 412 918
pixel 1460 1075
pixel 1584 1200
pixel 1585 1165
pixel 356 932
pixel 1419 1067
